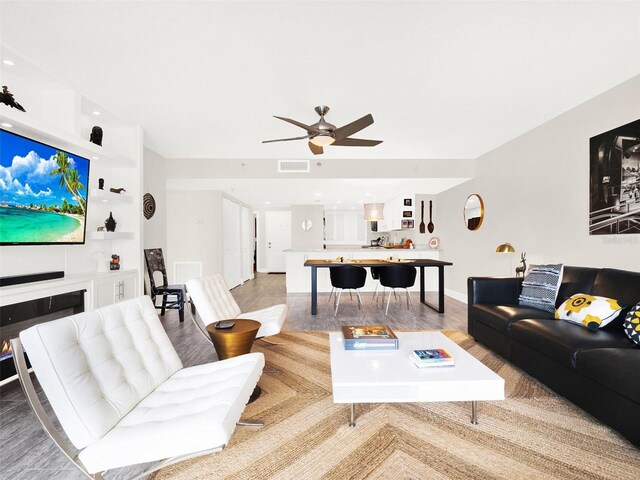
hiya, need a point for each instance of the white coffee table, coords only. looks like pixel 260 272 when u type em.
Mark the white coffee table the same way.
pixel 390 376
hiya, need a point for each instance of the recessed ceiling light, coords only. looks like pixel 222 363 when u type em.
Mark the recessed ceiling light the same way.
pixel 368 194
pixel 335 208
pixel 6 125
pixel 338 201
pixel 96 112
pixel 267 203
pixel 359 201
pixel 8 62
pixel 317 194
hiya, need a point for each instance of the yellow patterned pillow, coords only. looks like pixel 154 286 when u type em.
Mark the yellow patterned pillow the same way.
pixel 589 310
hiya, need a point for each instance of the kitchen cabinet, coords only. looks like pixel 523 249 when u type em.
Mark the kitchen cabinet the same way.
pixel 345 228
pixel 393 214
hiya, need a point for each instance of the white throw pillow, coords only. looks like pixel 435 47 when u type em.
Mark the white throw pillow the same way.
pixel 589 311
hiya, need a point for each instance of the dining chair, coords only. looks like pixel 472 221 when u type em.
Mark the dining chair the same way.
pixel 398 276
pixel 347 277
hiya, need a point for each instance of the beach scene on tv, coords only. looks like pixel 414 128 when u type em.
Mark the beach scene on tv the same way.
pixel 43 192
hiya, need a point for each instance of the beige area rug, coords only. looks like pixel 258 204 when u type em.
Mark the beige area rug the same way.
pixel 533 434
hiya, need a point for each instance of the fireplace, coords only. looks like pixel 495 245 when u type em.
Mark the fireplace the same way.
pixel 20 316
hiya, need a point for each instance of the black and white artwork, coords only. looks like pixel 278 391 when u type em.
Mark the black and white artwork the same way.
pixel 614 181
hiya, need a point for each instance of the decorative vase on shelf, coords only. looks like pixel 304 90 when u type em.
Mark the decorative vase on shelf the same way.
pixel 96 135
pixel 110 223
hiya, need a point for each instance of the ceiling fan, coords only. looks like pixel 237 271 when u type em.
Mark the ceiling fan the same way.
pixel 322 133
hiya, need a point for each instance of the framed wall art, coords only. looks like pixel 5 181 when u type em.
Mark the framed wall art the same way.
pixel 614 181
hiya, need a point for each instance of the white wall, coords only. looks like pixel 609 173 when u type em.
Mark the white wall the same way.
pixel 309 239
pixel 194 230
pixel 536 195
pixel 155 228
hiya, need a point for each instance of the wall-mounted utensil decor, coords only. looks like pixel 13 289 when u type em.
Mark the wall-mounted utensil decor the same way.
pixel 430 226
pixel 422 227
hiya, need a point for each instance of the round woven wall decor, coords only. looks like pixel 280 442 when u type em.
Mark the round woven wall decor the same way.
pixel 148 205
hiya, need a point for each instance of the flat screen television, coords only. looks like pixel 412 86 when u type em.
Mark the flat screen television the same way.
pixel 43 193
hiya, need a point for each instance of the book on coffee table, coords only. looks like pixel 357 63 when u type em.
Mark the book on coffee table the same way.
pixel 433 357
pixel 369 337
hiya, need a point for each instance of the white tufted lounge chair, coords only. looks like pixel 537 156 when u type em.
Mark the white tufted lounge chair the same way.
pixel 214 302
pixel 121 393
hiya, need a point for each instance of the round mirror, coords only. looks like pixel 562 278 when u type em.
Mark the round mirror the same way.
pixel 306 225
pixel 473 212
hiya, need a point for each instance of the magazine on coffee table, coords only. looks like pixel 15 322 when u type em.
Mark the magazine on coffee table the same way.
pixel 369 337
pixel 434 357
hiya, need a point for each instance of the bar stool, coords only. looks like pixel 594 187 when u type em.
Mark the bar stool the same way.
pixel 398 276
pixel 347 277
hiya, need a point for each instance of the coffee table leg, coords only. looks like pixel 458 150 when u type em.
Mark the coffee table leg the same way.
pixel 352 414
pixel 474 413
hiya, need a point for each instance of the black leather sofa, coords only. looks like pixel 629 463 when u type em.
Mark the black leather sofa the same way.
pixel 598 371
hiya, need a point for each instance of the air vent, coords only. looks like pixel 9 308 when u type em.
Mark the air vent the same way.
pixel 293 166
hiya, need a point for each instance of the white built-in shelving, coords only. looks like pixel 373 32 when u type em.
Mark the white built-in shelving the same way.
pixel 59 115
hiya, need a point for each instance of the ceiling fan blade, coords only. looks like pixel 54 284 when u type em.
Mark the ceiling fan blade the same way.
pixel 315 149
pixel 356 142
pixel 308 128
pixel 285 139
pixel 353 127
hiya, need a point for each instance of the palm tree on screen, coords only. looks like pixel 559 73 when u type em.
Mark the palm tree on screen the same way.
pixel 69 178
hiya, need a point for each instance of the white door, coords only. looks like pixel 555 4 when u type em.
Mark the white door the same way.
pixel 278 228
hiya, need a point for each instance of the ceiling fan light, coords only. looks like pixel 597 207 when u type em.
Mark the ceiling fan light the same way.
pixel 373 211
pixel 322 140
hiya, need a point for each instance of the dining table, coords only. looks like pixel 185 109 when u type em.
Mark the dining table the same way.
pixel 420 263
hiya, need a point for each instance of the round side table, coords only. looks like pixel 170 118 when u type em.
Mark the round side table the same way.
pixel 234 341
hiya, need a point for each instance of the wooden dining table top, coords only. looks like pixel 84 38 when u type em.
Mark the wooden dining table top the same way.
pixel 376 262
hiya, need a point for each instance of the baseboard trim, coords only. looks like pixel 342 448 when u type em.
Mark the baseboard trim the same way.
pixel 461 297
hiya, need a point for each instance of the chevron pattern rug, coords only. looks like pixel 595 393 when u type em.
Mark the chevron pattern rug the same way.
pixel 533 434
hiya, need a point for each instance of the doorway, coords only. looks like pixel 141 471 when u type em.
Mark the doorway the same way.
pixel 278 239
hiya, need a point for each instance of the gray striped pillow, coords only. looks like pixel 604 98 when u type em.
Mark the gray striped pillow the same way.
pixel 540 287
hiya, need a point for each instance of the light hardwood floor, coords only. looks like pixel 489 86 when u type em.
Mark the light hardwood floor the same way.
pixel 27 453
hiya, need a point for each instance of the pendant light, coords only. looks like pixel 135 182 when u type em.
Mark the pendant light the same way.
pixel 373 211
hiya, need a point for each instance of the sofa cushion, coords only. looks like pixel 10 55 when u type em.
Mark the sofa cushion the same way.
pixel 615 368
pixel 500 317
pixel 632 324
pixel 562 340
pixel 540 287
pixel 619 284
pixel 590 311
pixel 576 280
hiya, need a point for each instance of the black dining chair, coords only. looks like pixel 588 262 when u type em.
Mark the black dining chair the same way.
pixel 398 276
pixel 347 277
pixel 375 274
pixel 173 296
